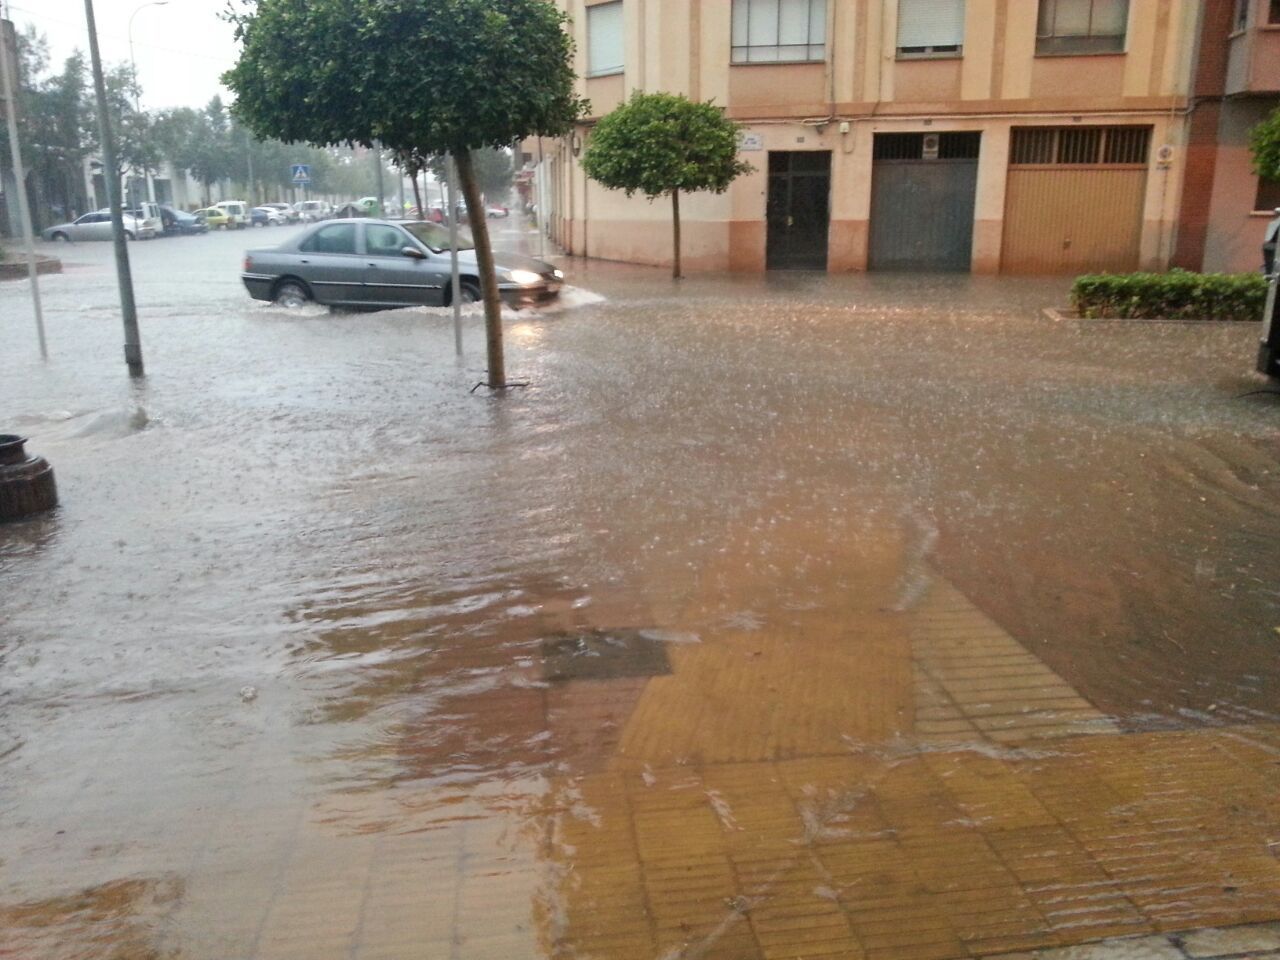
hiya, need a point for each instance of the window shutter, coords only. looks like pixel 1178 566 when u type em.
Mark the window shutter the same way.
pixel 930 23
pixel 604 38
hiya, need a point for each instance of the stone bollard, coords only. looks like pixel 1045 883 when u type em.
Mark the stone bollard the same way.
pixel 26 483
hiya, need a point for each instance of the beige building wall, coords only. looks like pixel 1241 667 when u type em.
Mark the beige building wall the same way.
pixel 863 88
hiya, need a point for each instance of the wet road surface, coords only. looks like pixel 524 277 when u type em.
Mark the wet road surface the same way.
pixel 785 616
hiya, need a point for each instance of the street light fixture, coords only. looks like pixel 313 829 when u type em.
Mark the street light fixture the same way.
pixel 132 60
pixel 146 175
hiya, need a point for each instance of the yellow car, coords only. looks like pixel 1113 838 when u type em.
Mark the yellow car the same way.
pixel 214 217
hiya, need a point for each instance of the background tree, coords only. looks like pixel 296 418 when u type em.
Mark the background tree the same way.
pixel 495 171
pixel 1264 141
pixel 333 72
pixel 664 143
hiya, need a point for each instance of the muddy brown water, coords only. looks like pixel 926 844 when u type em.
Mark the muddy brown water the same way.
pixel 322 655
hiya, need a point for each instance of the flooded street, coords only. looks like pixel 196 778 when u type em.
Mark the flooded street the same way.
pixel 781 616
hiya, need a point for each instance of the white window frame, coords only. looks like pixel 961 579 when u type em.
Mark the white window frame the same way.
pixel 599 62
pixel 1240 16
pixel 754 40
pixel 930 36
pixel 1064 44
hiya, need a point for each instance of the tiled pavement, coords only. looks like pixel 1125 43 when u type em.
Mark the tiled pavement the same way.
pixel 828 778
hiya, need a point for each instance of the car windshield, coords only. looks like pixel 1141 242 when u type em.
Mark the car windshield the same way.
pixel 436 237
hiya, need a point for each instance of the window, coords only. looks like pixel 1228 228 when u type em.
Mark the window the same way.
pixel 383 241
pixel 604 39
pixel 930 27
pixel 779 31
pixel 1240 19
pixel 1082 26
pixel 1268 195
pixel 1273 13
pixel 1080 146
pixel 339 238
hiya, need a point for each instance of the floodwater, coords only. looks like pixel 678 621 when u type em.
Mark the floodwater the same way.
pixel 778 616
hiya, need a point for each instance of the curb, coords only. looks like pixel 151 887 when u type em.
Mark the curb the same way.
pixel 17 269
pixel 1067 315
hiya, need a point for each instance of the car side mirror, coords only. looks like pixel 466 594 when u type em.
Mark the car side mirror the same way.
pixel 413 253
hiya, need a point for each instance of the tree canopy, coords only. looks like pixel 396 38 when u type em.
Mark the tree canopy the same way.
pixel 664 143
pixel 1264 140
pixel 445 76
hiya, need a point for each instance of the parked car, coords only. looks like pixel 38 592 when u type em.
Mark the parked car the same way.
pixel 266 217
pixel 237 212
pixel 149 214
pixel 290 215
pixel 180 223
pixel 214 217
pixel 384 263
pixel 495 212
pixel 310 211
pixel 348 211
pixel 97 226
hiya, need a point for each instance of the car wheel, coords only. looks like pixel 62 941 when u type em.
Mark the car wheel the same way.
pixel 128 235
pixel 292 293
pixel 61 237
pixel 470 293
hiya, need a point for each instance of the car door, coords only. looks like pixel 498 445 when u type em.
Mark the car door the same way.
pixel 391 277
pixel 90 227
pixel 329 261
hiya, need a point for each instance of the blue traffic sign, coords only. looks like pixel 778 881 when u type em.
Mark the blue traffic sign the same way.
pixel 301 173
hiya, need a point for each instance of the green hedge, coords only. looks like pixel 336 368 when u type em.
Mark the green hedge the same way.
pixel 1176 295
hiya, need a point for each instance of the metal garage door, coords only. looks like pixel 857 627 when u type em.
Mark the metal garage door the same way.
pixel 1074 199
pixel 922 195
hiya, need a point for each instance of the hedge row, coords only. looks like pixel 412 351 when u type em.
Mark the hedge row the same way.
pixel 1176 295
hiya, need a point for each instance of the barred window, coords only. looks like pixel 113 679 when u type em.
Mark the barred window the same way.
pixel 779 31
pixel 1082 26
pixel 1079 146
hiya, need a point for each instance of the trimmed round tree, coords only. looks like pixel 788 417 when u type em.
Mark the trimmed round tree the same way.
pixel 659 143
pixel 420 78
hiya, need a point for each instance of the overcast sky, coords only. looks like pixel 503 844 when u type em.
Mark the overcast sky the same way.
pixel 181 47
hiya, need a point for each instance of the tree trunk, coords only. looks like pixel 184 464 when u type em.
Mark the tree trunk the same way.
pixel 417 196
pixel 675 219
pixel 484 260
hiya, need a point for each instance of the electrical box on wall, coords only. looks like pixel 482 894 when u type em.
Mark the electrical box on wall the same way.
pixel 931 141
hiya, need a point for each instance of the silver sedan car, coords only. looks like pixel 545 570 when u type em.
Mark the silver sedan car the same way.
pixel 97 226
pixel 385 263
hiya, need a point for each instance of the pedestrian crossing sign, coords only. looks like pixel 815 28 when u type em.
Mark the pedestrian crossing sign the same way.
pixel 301 173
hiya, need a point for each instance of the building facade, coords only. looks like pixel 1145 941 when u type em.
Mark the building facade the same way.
pixel 1225 205
pixel 1017 136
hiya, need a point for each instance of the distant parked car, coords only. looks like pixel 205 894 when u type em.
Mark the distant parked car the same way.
pixel 290 215
pixel 385 263
pixel 180 223
pixel 148 214
pixel 237 212
pixel 493 211
pixel 214 217
pixel 348 211
pixel 97 226
pixel 311 211
pixel 266 217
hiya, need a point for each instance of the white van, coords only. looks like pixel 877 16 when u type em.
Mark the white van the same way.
pixel 237 212
pixel 312 210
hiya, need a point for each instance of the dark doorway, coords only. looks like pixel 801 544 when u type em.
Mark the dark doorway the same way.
pixel 799 210
pixel 923 188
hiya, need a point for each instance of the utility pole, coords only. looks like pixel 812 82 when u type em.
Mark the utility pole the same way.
pixel 24 209
pixel 248 155
pixel 128 310
pixel 377 160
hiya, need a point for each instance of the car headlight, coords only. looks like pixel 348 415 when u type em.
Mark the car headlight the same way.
pixel 558 274
pixel 524 276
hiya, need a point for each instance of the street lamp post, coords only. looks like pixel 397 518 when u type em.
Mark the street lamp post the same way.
pixel 137 108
